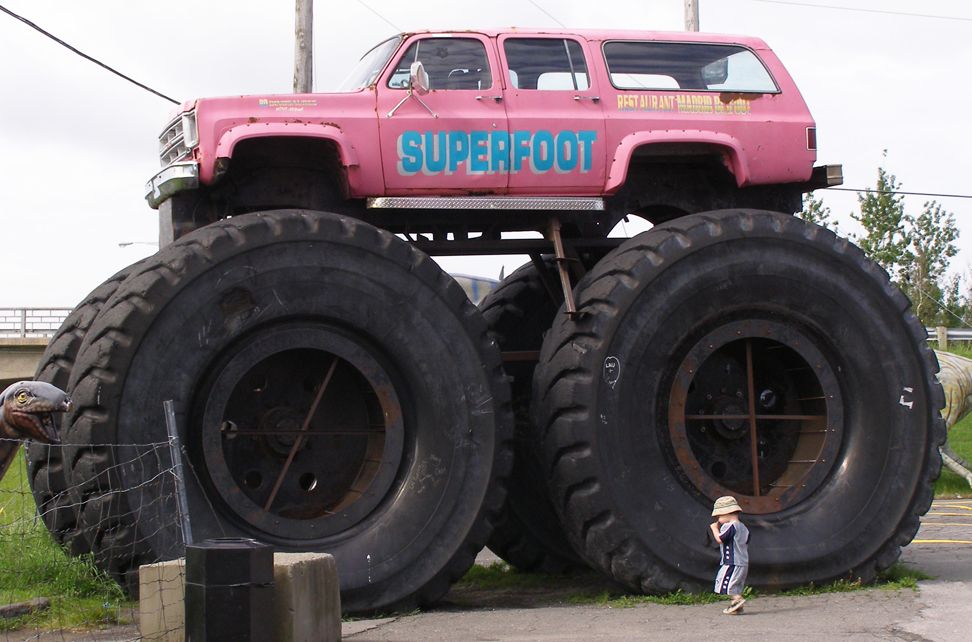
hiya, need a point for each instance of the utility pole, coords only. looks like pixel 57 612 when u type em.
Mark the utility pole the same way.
pixel 691 15
pixel 304 48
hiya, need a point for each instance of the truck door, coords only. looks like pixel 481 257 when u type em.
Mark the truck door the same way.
pixel 453 139
pixel 555 116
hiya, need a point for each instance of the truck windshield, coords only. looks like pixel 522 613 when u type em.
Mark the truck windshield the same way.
pixel 366 71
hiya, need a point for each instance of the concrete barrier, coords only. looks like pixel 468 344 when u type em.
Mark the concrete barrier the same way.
pixel 19 358
pixel 307 599
pixel 161 601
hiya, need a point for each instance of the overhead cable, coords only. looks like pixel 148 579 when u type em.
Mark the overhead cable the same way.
pixel 888 191
pixel 816 5
pixel 85 56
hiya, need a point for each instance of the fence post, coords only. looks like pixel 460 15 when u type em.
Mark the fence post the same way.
pixel 175 453
pixel 942 333
pixel 23 322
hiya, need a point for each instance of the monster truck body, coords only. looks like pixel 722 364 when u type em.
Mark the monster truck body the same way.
pixel 686 122
pixel 335 390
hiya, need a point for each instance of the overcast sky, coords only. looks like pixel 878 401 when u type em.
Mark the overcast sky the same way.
pixel 78 143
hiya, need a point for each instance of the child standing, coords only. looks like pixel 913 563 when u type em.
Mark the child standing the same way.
pixel 733 538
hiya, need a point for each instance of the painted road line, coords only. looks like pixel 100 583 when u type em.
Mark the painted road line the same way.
pixel 948 514
pixel 927 523
pixel 941 541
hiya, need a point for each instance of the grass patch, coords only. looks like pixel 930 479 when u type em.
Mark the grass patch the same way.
pixel 500 576
pixel 900 576
pixel 678 598
pixel 33 565
pixel 577 590
pixel 960 439
pixel 896 578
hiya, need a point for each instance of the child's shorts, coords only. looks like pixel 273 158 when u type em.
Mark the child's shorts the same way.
pixel 731 579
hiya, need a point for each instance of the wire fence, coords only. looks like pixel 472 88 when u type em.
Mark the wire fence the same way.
pixel 52 587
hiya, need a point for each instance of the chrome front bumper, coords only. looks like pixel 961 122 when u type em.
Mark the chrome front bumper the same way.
pixel 175 178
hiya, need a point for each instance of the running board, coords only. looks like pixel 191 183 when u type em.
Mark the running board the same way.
pixel 557 203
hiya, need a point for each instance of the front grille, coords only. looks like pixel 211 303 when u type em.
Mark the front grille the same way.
pixel 172 146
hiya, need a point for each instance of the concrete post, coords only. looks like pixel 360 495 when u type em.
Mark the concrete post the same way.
pixel 161 601
pixel 307 598
pixel 942 333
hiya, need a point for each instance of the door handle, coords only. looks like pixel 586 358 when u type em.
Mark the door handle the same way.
pixel 593 99
pixel 496 98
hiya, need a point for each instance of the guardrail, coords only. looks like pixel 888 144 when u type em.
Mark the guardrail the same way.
pixel 943 336
pixel 23 323
pixel 951 334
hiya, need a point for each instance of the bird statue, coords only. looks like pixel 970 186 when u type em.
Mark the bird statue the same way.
pixel 27 412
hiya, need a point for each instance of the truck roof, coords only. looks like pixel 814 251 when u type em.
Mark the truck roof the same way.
pixel 609 34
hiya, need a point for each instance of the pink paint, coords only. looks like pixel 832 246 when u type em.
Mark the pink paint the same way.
pixel 553 134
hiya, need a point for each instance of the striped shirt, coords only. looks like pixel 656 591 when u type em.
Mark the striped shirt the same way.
pixel 734 544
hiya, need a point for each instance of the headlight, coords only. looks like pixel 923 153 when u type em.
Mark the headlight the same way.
pixel 189 129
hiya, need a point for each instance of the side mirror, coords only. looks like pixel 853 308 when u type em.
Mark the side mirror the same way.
pixel 418 78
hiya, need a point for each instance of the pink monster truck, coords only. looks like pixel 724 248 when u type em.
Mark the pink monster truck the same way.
pixel 336 391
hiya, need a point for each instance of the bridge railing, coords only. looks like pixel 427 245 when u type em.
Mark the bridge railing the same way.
pixel 23 323
pixel 44 322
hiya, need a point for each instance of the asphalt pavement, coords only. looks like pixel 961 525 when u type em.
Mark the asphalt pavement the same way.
pixel 940 610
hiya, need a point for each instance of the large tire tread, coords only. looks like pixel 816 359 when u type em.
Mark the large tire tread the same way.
pixel 45 468
pixel 561 413
pixel 528 534
pixel 108 351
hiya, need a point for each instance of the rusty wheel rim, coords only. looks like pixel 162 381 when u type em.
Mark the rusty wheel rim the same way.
pixel 755 412
pixel 302 432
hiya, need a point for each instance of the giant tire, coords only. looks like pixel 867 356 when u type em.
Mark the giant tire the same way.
pixel 241 324
pixel 45 470
pixel 528 533
pixel 625 394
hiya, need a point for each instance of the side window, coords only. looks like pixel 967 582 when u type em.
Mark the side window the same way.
pixel 452 63
pixel 681 65
pixel 546 64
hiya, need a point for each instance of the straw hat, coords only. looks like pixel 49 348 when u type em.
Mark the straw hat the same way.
pixel 725 505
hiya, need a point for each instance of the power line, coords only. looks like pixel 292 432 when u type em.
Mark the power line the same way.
pixel 888 12
pixel 882 191
pixel 84 55
pixel 941 306
pixel 393 25
pixel 548 14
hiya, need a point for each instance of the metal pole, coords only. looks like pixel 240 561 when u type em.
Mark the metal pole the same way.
pixel 175 453
pixel 304 48
pixel 691 15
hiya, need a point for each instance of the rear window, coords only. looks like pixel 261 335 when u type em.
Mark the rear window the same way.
pixel 686 66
